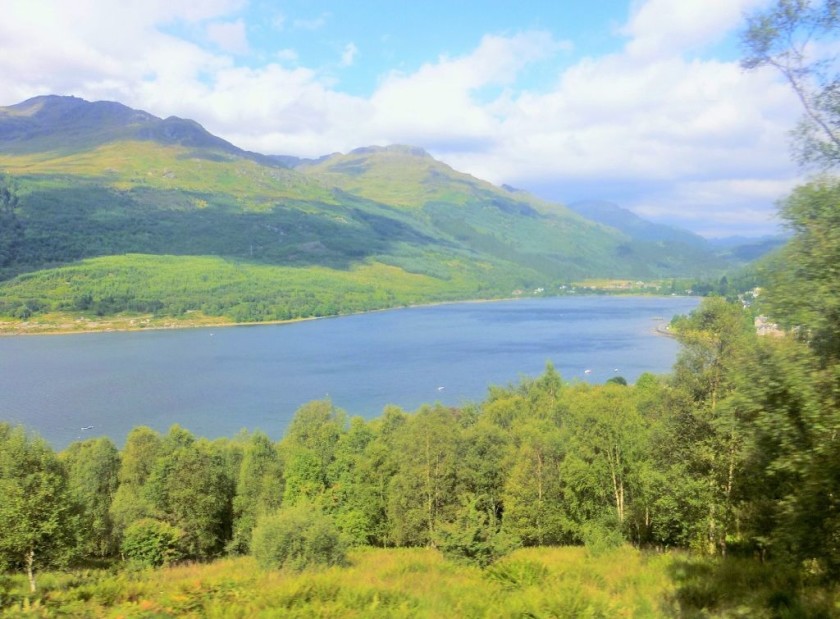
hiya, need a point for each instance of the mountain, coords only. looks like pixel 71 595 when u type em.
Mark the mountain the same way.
pixel 741 249
pixel 375 227
pixel 736 250
pixel 69 124
pixel 634 226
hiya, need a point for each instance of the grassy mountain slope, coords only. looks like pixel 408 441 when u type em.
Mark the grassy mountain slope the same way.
pixel 99 180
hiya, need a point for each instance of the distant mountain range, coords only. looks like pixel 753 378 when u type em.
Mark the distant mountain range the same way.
pixel 736 249
pixel 101 179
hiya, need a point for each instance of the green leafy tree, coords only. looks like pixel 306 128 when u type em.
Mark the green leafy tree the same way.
pixel 708 433
pixel 792 503
pixel 259 488
pixel 11 229
pixel 484 467
pixel 142 446
pixel 607 443
pixel 304 476
pixel 533 499
pixel 93 468
pixel 531 414
pixel 296 538
pixel 374 471
pixel 317 426
pixel 189 488
pixel 424 490
pixel 152 543
pixel 804 290
pixel 36 510
pixel 475 535
pixel 789 36
pixel 351 498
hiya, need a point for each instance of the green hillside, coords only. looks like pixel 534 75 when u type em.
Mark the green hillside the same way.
pixel 93 180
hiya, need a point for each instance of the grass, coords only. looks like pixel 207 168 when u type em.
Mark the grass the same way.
pixel 378 583
pixel 534 582
pixel 145 164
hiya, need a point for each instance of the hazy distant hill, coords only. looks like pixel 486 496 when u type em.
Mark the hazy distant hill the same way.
pixel 736 250
pixel 744 249
pixel 101 179
pixel 634 226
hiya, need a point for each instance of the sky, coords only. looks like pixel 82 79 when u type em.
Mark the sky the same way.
pixel 639 102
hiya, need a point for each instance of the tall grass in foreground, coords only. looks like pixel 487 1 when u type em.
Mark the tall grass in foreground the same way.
pixel 535 582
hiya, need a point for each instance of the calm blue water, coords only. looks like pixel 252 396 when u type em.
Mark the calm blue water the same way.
pixel 216 381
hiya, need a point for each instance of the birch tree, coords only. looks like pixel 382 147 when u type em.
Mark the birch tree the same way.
pixel 36 510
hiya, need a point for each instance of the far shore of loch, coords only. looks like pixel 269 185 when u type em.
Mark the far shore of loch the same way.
pixel 62 324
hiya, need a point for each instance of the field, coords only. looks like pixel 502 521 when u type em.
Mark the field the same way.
pixel 536 582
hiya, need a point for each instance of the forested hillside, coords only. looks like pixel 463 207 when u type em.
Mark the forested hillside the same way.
pixel 95 188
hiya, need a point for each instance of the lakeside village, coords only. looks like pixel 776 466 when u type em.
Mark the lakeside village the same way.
pixel 671 287
pixel 665 287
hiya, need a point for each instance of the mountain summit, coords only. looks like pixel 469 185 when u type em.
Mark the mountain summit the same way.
pixel 62 123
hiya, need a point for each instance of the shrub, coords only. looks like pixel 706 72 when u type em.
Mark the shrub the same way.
pixel 152 543
pixel 297 537
pixel 474 537
pixel 517 574
pixel 601 536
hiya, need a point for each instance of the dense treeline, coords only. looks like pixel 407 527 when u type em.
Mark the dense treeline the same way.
pixel 538 463
pixel 141 286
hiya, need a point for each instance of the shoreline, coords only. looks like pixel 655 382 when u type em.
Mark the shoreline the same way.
pixel 73 325
pixel 142 323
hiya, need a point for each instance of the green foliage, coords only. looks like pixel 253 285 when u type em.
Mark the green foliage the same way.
pixel 791 37
pixel 602 536
pixel 517 574
pixel 92 468
pixel 152 543
pixel 36 509
pixel 129 504
pixel 474 536
pixel 296 538
pixel 259 488
pixel 190 488
pixel 743 586
pixel 424 490
pixel 11 229
pixel 804 292
pixel 533 496
pixel 232 291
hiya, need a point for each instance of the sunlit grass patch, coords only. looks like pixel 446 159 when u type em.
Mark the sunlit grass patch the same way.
pixel 420 582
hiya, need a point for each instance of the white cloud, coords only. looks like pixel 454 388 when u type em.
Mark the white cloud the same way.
pixel 660 27
pixel 437 101
pixel 287 55
pixel 229 36
pixel 315 23
pixel 349 55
